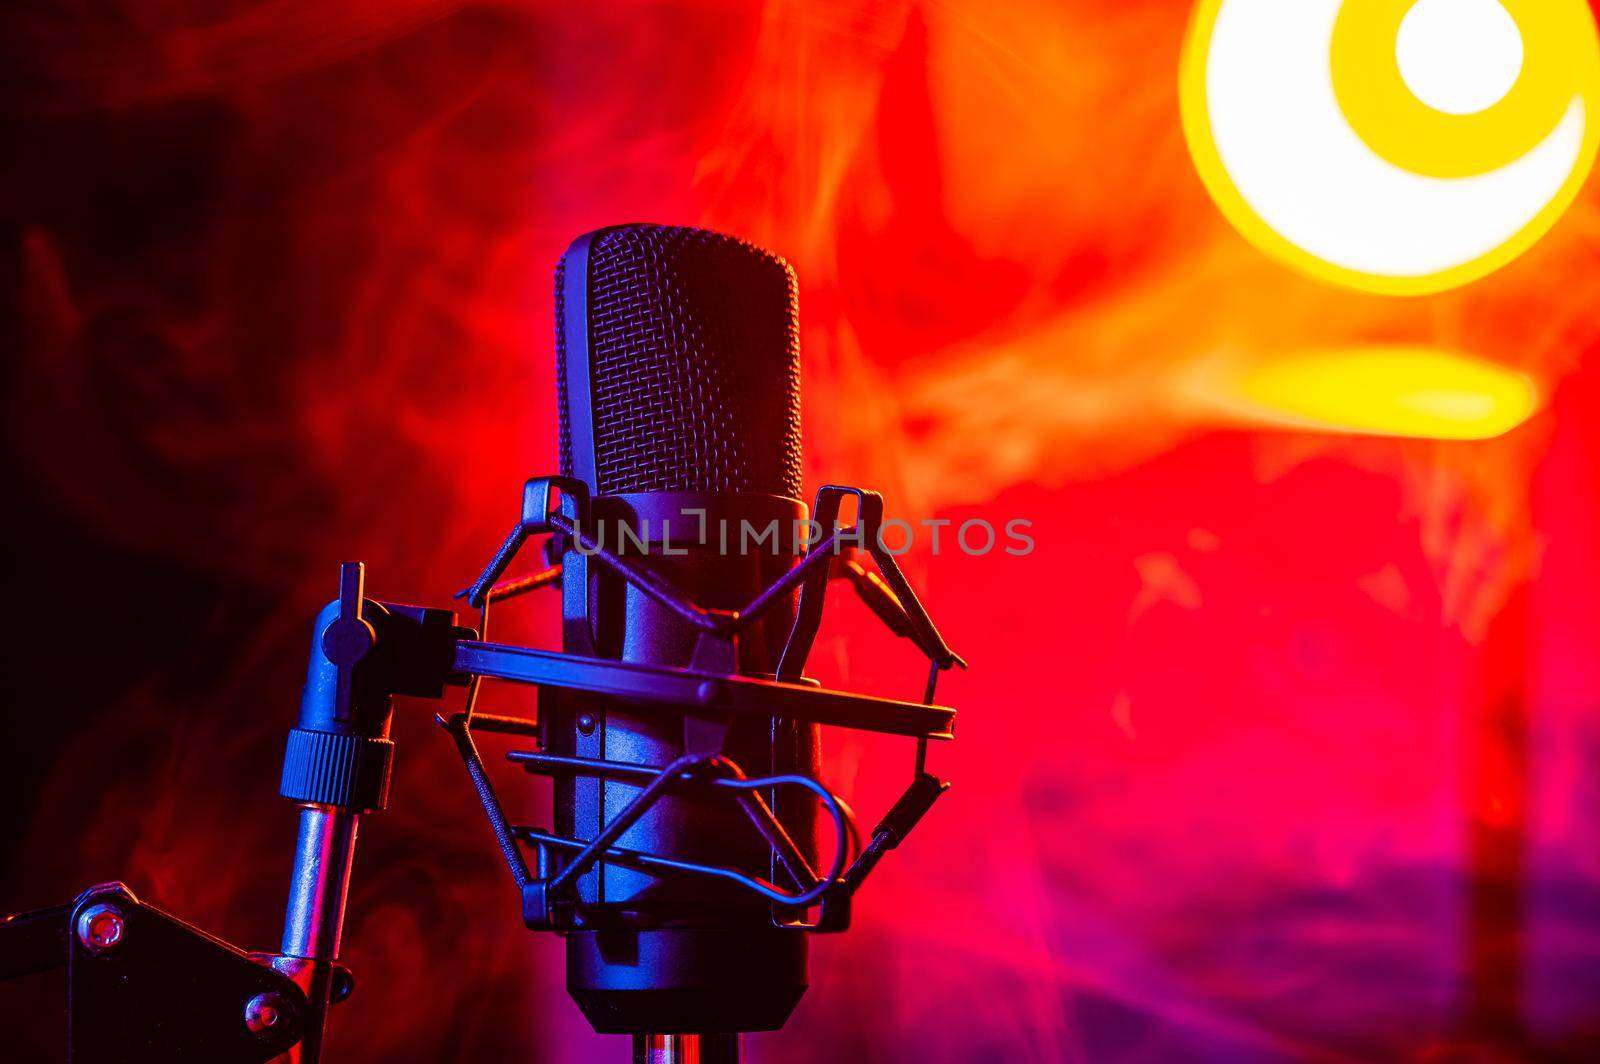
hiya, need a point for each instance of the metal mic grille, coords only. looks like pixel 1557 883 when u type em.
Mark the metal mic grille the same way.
pixel 694 364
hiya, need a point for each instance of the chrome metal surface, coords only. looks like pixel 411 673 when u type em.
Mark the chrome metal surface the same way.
pixel 685 1049
pixel 320 882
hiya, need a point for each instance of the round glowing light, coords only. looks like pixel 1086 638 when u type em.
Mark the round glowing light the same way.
pixel 1390 145
pixel 1459 56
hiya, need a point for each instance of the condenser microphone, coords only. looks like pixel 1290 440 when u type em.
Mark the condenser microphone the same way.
pixel 679 387
pixel 676 722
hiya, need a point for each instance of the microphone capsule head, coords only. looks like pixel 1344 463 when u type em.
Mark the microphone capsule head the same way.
pixel 677 363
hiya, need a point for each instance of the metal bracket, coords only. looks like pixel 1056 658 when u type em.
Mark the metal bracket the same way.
pixel 866 534
pixel 708 692
pixel 571 499
pixel 143 985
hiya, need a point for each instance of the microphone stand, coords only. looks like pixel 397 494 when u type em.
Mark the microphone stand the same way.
pixel 143 985
pixel 324 851
pixel 336 766
pixel 686 1049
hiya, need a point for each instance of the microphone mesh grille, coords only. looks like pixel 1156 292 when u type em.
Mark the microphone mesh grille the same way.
pixel 694 364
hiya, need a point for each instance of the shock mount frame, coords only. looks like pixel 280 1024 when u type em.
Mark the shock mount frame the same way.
pixel 338 759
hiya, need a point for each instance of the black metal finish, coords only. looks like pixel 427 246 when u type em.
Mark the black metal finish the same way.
pixel 337 763
pixel 168 992
pixel 712 693
pixel 460 729
pixel 678 363
pixel 867 531
pixel 679 378
pixel 691 772
pixel 34 941
pixel 548 899
pixel 572 360
pixel 363 653
pixel 719 692
pixel 145 986
pixel 717 979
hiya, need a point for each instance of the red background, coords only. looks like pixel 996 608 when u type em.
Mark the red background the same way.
pixel 1280 746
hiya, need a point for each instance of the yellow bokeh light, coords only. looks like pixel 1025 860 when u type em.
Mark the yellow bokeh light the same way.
pixel 1303 129
pixel 1559 42
pixel 1406 391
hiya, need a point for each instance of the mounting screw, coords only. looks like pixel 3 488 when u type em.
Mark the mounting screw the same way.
pixel 263 1013
pixel 344 984
pixel 586 723
pixel 100 927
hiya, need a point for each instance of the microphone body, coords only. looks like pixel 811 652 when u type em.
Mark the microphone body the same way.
pixel 678 380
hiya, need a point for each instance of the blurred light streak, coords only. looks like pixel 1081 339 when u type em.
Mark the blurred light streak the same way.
pixel 1395 390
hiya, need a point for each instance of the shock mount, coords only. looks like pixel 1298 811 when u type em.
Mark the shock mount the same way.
pixel 144 985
